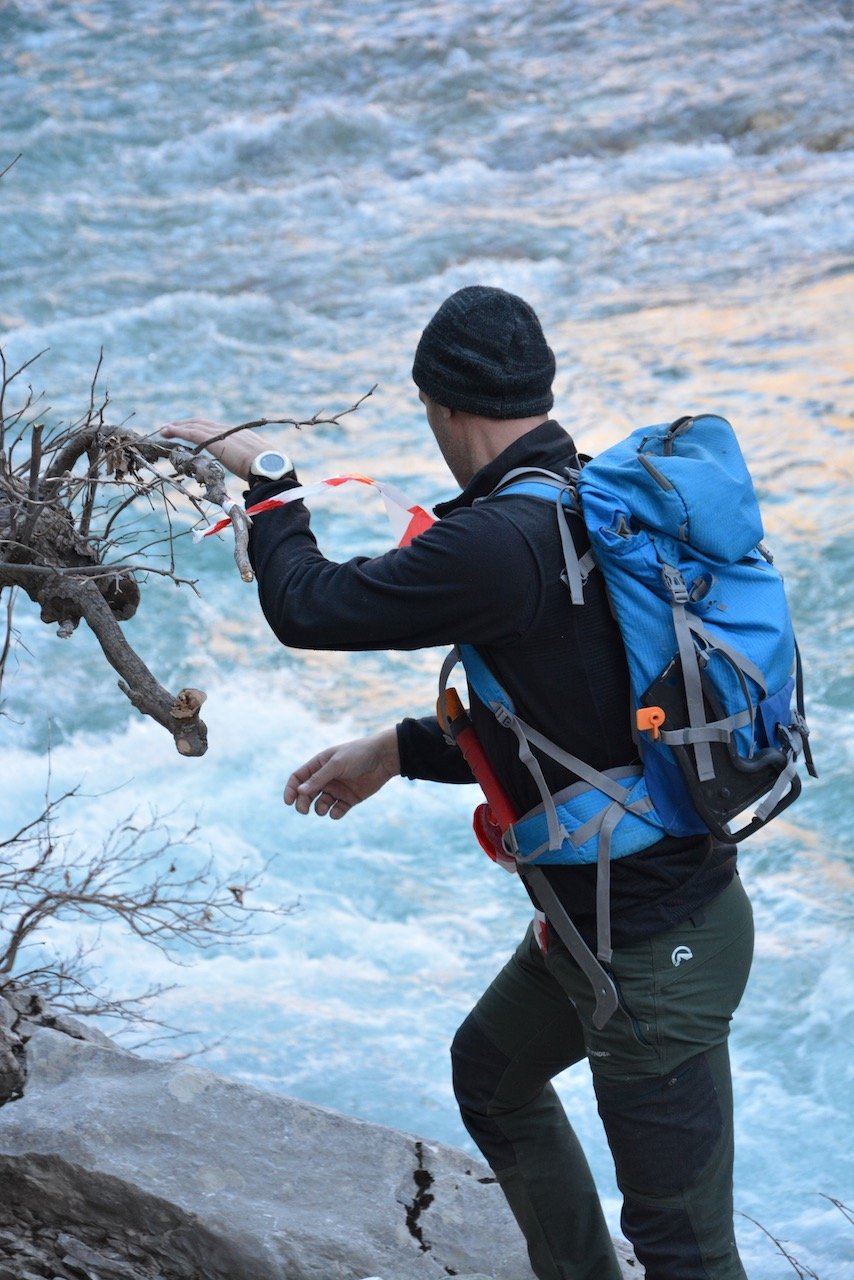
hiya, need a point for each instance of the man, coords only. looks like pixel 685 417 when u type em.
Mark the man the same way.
pixel 488 574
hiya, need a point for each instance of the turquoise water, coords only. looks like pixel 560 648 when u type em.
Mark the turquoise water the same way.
pixel 254 208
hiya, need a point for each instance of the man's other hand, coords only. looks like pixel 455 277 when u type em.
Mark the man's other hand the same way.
pixel 342 776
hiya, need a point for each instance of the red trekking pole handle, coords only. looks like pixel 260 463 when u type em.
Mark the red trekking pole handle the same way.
pixel 492 819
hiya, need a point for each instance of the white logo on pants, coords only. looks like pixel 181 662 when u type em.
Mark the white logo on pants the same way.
pixel 680 954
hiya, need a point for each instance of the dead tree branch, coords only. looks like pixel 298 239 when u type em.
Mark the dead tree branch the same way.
pixel 319 419
pixel 58 528
pixel 70 539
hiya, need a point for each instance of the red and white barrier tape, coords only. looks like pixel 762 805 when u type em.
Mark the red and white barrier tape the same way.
pixel 406 520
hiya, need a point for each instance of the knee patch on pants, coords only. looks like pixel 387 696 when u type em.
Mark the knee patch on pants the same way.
pixel 662 1132
pixel 477 1070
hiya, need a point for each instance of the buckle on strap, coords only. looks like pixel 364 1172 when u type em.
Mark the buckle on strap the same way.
pixel 503 715
pixel 800 726
pixel 792 737
pixel 510 844
pixel 586 565
pixel 675 584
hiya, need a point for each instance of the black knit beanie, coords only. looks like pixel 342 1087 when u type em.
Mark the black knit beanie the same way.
pixel 484 352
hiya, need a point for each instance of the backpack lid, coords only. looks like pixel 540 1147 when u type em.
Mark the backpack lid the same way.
pixel 687 480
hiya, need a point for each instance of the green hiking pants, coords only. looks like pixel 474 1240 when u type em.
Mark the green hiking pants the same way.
pixel 662 1083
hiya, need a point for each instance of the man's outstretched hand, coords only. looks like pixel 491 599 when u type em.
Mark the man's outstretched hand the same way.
pixel 342 776
pixel 236 452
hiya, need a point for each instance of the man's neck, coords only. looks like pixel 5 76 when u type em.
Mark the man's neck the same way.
pixel 486 438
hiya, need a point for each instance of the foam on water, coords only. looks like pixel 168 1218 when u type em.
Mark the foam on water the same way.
pixel 254 209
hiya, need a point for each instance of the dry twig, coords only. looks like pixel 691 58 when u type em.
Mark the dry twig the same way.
pixel 802 1271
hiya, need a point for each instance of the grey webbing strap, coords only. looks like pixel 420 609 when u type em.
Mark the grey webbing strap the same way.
pixel 779 789
pixel 594 825
pixel 551 477
pixel 600 781
pixel 578 568
pixel 720 731
pixel 738 660
pixel 557 834
pixel 613 814
pixel 575 574
pixel 742 667
pixel 602 983
pixel 621 772
pixel 587 564
pixel 691 677
pixel 450 661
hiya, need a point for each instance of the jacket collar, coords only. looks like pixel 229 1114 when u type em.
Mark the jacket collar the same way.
pixel 547 445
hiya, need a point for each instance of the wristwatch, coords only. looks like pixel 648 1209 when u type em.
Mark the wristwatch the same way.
pixel 270 465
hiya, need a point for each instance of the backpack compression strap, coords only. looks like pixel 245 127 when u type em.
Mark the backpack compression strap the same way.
pixel 458 728
pixel 701 731
pixel 603 824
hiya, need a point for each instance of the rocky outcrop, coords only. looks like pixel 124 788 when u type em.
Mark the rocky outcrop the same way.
pixel 122 1168
pixel 13 1061
pixel 23 1011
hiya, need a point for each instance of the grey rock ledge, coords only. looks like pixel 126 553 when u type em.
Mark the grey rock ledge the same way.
pixel 189 1176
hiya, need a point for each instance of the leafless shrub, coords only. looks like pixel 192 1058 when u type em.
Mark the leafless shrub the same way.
pixel 801 1270
pixel 134 876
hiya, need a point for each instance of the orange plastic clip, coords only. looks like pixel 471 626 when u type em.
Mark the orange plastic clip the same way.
pixel 650 718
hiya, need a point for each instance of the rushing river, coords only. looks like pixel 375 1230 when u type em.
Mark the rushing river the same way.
pixel 254 208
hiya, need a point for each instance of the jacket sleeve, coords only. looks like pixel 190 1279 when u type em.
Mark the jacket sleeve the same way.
pixel 425 754
pixel 470 578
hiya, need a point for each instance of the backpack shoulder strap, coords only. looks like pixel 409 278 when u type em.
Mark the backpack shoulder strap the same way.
pixel 538 482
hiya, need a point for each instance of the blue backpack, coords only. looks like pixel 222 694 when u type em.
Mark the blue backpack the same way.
pixel 717 692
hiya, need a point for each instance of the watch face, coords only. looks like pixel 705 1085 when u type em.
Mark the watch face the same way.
pixel 271 464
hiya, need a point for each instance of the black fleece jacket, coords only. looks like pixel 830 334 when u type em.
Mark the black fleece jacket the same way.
pixel 488 574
